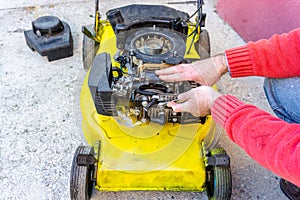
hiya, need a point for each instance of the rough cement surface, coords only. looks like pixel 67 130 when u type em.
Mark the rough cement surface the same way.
pixel 40 117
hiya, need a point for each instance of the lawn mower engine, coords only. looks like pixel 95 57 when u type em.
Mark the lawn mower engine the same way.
pixel 124 85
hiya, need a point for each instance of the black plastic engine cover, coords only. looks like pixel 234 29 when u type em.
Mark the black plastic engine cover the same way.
pixel 99 82
pixel 135 16
pixel 50 37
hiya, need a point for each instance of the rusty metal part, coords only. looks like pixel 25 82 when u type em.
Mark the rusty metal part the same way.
pixel 153 66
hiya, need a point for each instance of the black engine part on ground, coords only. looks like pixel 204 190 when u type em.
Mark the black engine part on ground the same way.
pixel 50 37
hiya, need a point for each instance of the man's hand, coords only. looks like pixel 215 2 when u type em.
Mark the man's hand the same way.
pixel 197 101
pixel 204 72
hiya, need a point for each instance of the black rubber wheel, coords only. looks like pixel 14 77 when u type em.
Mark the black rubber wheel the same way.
pixel 89 50
pixel 202 45
pixel 218 179
pixel 81 182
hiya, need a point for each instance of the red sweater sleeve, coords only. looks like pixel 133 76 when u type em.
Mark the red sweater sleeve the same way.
pixel 277 57
pixel 272 142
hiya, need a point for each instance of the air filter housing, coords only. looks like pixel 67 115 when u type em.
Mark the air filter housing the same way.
pixel 50 37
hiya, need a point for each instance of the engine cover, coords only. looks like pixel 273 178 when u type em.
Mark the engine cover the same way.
pixel 50 37
pixel 125 19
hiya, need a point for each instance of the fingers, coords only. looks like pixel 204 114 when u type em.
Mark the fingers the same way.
pixel 176 107
pixel 197 101
pixel 187 106
pixel 172 77
pixel 185 96
pixel 171 70
pixel 205 72
pixel 175 73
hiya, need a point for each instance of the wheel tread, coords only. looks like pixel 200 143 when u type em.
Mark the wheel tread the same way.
pixel 222 176
pixel 79 176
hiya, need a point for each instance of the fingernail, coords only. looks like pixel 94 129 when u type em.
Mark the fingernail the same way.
pixel 176 108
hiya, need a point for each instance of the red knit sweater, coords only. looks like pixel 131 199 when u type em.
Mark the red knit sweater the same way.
pixel 272 142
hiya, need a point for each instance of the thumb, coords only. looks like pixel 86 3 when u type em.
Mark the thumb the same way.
pixel 176 107
pixel 185 96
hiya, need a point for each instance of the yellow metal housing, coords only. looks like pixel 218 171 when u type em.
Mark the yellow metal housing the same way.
pixel 148 157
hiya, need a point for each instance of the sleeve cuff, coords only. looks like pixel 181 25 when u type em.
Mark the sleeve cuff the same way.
pixel 239 62
pixel 223 107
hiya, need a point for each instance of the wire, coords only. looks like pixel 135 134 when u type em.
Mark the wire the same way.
pixel 199 11
pixel 192 15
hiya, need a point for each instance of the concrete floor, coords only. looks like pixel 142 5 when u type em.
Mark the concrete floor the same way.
pixel 40 117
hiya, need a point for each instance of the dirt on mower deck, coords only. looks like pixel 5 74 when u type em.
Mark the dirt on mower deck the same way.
pixel 40 117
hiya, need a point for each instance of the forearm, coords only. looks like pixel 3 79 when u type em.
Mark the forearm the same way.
pixel 277 57
pixel 272 142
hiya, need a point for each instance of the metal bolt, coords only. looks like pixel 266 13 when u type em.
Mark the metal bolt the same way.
pixel 132 53
pixel 175 54
pixel 144 103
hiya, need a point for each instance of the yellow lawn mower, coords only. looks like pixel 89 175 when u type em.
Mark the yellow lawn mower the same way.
pixel 136 142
